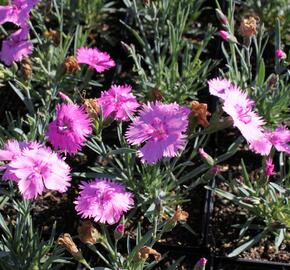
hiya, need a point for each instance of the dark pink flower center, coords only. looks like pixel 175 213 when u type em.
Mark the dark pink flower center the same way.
pixel 64 125
pixel 243 113
pixel 159 129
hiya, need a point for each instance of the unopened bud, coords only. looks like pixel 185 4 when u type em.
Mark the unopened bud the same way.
pixel 227 36
pixel 64 97
pixel 119 231
pixel 221 17
pixel 200 265
pixel 206 157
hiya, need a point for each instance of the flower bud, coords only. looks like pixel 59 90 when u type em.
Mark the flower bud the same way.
pixel 67 241
pixel 221 17
pixel 206 157
pixel 64 97
pixel 88 234
pixel 119 231
pixel 224 35
pixel 280 54
pixel 200 265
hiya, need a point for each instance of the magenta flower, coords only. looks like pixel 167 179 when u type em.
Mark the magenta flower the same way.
pixel 280 54
pixel 69 131
pixel 220 87
pixel 269 168
pixel 103 200
pixel 100 61
pixel 35 168
pixel 280 138
pixel 162 128
pixel 117 102
pixel 15 47
pixel 238 105
pixel 12 150
pixel 17 12
pixel 224 35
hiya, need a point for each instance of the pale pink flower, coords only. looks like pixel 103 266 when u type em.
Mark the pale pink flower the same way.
pixel 280 54
pixel 103 200
pixel 16 46
pixel 280 138
pixel 117 102
pixel 17 12
pixel 269 168
pixel 39 169
pixel 12 150
pixel 224 35
pixel 161 127
pixel 100 61
pixel 69 131
pixel 220 87
pixel 238 105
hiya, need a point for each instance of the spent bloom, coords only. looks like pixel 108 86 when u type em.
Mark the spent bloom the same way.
pixel 117 102
pixel 161 127
pixel 68 132
pixel 16 47
pixel 35 168
pixel 17 12
pixel 269 167
pixel 280 54
pixel 248 26
pixel 100 61
pixel 103 200
pixel 280 138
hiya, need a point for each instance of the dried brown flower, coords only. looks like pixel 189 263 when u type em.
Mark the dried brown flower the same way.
pixel 92 107
pixel 26 68
pixel 88 234
pixel 67 241
pixel 144 252
pixel 180 215
pixel 248 26
pixel 71 65
pixel 52 35
pixel 199 110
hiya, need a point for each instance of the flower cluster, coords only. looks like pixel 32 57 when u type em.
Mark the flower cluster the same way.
pixel 17 45
pixel 35 168
pixel 103 200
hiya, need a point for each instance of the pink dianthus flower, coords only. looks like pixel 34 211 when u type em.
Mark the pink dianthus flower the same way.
pixel 100 61
pixel 16 46
pixel 17 12
pixel 103 200
pixel 12 150
pixel 35 168
pixel 117 102
pixel 240 107
pixel 162 128
pixel 280 138
pixel 220 87
pixel 69 131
